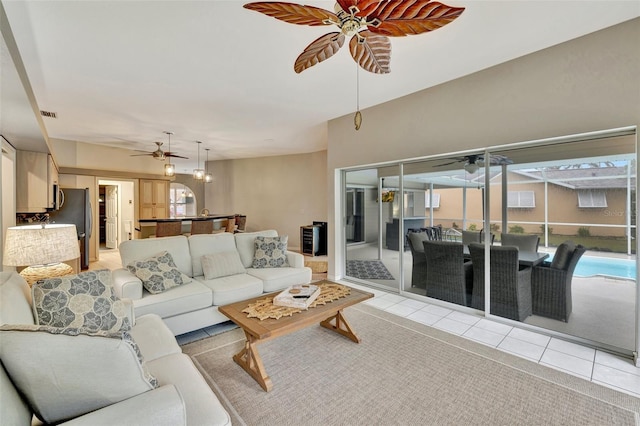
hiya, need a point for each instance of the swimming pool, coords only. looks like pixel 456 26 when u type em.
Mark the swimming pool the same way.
pixel 589 266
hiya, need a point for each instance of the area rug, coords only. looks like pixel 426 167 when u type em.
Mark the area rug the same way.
pixel 368 270
pixel 402 373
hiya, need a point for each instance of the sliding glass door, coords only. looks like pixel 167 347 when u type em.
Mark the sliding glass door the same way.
pixel 541 233
pixel 372 238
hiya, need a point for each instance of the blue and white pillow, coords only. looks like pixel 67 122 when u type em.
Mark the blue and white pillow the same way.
pixel 158 273
pixel 270 252
pixel 84 301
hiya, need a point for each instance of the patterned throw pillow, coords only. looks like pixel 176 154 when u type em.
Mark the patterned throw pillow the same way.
pixel 158 273
pixel 270 252
pixel 84 301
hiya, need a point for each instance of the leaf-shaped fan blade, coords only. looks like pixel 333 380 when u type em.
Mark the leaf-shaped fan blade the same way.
pixel 406 17
pixel 346 4
pixel 373 53
pixel 319 50
pixel 171 154
pixel 293 13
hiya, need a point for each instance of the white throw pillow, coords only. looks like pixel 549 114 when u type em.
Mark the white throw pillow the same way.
pixel 222 264
pixel 158 273
pixel 64 375
pixel 84 301
pixel 270 252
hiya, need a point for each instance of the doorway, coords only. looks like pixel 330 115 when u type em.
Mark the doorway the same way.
pixel 115 213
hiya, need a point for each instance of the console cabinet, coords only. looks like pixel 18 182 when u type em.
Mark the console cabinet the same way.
pixel 154 199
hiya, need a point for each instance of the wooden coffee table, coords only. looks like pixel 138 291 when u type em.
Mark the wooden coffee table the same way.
pixel 258 331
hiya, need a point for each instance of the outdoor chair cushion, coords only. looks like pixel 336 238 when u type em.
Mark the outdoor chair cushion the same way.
pixel 563 255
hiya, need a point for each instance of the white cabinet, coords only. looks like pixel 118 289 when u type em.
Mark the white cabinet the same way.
pixel 36 176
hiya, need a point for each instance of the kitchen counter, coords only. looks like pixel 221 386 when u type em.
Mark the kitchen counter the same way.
pixel 146 227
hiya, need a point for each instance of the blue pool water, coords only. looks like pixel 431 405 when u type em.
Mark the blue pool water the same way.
pixel 589 266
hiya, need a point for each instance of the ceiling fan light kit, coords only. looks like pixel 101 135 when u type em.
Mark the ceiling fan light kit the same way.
pixel 369 23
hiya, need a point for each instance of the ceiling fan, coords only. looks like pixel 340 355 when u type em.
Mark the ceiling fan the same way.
pixel 159 154
pixel 367 22
pixel 473 161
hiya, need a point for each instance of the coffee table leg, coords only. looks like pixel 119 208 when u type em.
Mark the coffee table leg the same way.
pixel 341 326
pixel 249 359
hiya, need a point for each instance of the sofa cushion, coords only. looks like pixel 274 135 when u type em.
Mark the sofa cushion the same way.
pixel 15 299
pixel 84 301
pixel 270 252
pixel 153 337
pixel 204 244
pixel 274 279
pixel 233 288
pixel 563 254
pixel 178 247
pixel 185 298
pixel 15 410
pixel 64 376
pixel 222 264
pixel 158 273
pixel 245 243
pixel 203 407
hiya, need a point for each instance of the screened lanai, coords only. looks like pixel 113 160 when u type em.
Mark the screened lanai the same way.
pixel 578 190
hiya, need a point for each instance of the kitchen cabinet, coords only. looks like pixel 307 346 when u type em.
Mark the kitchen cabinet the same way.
pixel 36 181
pixel 154 199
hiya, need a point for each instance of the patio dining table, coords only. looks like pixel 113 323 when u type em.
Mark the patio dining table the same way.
pixel 525 258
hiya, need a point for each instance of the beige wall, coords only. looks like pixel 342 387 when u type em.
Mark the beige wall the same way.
pixel 587 84
pixel 282 192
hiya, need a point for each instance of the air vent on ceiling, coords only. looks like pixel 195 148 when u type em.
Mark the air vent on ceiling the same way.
pixel 48 114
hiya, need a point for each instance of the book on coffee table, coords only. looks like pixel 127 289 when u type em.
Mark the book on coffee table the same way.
pixel 297 296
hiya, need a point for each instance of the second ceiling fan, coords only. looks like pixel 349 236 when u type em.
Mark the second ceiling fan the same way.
pixel 159 154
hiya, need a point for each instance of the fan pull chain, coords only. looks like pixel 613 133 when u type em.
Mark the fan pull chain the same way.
pixel 357 119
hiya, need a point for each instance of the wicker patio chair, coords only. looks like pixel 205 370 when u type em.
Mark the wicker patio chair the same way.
pixel 469 237
pixel 201 226
pixel 551 285
pixel 419 262
pixel 510 284
pixel 168 228
pixel 449 277
pixel 524 242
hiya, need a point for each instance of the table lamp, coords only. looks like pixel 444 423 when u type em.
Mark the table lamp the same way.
pixel 41 248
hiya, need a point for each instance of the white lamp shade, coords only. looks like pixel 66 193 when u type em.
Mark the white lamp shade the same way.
pixel 37 245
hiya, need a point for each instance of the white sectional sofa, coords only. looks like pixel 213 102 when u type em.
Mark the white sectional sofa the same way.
pixel 194 305
pixel 95 380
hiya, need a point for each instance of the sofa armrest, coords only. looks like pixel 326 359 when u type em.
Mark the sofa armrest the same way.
pixel 126 285
pixel 161 406
pixel 296 260
pixel 131 313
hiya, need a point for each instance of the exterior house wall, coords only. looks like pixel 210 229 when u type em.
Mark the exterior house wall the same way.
pixel 587 84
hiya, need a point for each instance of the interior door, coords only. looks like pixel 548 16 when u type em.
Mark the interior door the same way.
pixel 111 216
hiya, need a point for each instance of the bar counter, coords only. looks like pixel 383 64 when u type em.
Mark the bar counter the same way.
pixel 147 227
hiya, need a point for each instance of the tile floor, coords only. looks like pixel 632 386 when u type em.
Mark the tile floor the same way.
pixel 591 364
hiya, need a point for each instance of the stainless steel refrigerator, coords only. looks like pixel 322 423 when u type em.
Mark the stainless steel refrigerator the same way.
pixel 75 209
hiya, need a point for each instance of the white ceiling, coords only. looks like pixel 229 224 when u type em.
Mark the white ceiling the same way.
pixel 122 72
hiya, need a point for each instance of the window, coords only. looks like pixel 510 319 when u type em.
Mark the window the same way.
pixel 521 199
pixel 435 197
pixel 182 201
pixel 592 198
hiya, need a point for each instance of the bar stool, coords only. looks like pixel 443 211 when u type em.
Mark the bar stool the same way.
pixel 168 228
pixel 201 226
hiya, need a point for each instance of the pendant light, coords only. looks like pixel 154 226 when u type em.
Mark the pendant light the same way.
pixel 208 177
pixel 198 173
pixel 169 169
